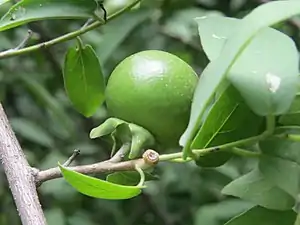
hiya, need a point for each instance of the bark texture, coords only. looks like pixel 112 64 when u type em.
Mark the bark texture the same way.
pixel 19 175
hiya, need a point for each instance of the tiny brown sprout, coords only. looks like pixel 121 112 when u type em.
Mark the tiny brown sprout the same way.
pixel 151 157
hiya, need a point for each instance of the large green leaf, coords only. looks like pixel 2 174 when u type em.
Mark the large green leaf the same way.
pixel 215 73
pixel 97 188
pixel 27 11
pixel 83 78
pixel 280 162
pixel 214 31
pixel 270 84
pixel 3 1
pixel 228 120
pixel 262 216
pixel 255 188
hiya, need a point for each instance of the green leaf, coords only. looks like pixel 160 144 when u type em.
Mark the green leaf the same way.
pixel 83 78
pixel 214 31
pixel 97 188
pixel 212 214
pixel 27 11
pixel 280 163
pixel 254 187
pixel 281 147
pixel 32 132
pixel 182 25
pixel 282 173
pixel 261 216
pixel 128 178
pixel 215 73
pixel 292 117
pixel 47 100
pixel 228 120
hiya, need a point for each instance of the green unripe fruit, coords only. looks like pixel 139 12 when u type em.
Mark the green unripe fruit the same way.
pixel 153 89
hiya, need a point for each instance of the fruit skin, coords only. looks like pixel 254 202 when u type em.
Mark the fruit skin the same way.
pixel 153 89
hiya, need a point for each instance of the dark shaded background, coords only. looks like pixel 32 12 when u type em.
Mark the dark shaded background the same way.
pixel 49 129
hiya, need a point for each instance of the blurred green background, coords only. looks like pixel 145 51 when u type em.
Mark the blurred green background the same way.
pixel 49 129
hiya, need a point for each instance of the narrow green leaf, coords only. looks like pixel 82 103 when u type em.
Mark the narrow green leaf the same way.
pixel 47 100
pixel 97 188
pixel 213 75
pixel 32 132
pixel 262 216
pixel 117 30
pixel 27 11
pixel 229 119
pixel 83 78
pixel 254 187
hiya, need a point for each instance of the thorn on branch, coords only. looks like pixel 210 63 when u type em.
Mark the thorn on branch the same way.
pixel 25 40
pixel 72 157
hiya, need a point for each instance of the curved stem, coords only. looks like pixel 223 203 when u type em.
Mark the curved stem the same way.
pixel 66 37
pixel 142 174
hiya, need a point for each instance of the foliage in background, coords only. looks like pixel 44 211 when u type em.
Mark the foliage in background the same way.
pixel 49 129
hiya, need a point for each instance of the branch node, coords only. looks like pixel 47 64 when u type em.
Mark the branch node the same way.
pixel 151 157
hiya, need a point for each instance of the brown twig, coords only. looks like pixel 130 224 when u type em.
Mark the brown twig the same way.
pixel 100 167
pixel 19 175
pixel 150 158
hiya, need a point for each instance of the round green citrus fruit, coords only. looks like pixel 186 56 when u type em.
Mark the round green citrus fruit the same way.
pixel 153 89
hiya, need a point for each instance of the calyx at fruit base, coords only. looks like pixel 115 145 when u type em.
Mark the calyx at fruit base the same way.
pixel 121 132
